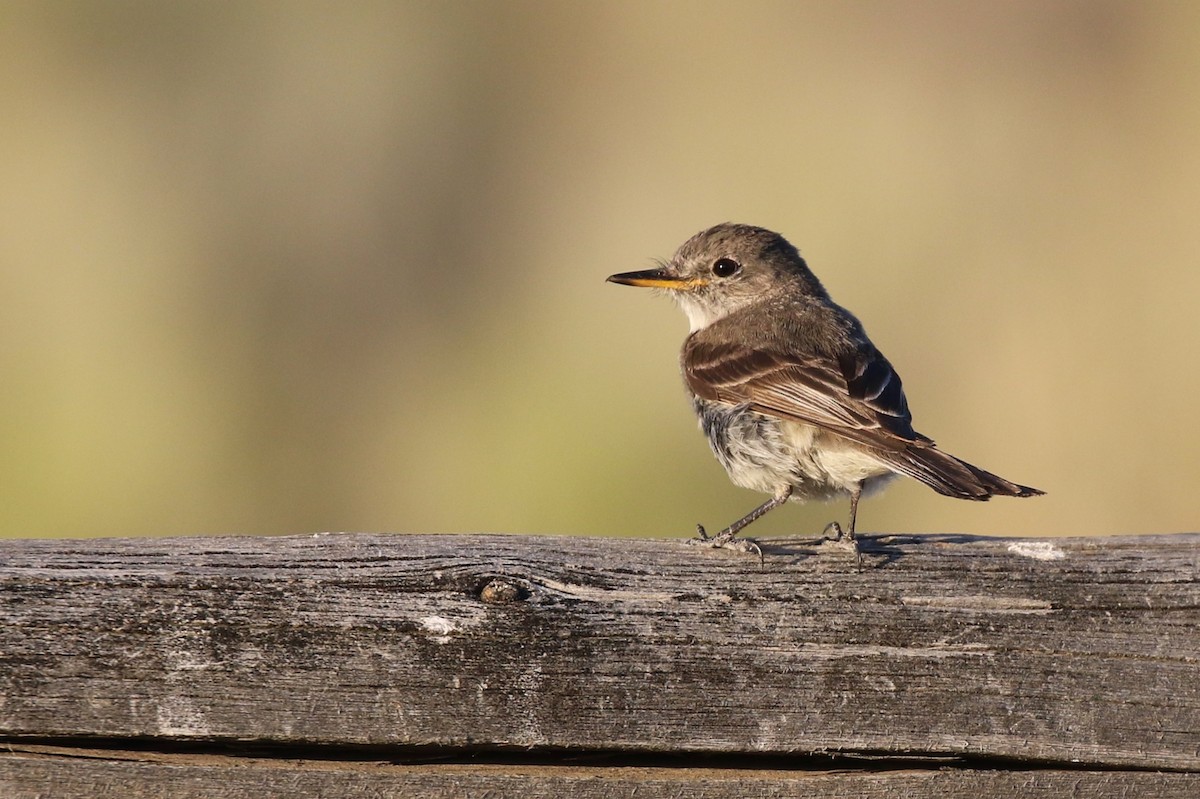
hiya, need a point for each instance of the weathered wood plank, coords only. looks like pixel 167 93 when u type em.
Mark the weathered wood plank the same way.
pixel 1072 651
pixel 132 775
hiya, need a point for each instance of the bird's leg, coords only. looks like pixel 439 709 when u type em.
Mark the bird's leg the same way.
pixel 726 536
pixel 842 538
pixel 834 530
pixel 855 496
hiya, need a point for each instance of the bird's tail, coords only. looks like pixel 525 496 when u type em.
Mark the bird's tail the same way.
pixel 948 475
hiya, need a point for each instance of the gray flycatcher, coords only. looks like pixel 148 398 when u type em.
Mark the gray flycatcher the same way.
pixel 793 397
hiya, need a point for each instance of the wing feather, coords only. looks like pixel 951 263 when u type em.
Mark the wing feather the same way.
pixel 858 396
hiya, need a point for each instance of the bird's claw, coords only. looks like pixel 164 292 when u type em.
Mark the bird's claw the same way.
pixel 834 532
pixel 723 541
pixel 835 536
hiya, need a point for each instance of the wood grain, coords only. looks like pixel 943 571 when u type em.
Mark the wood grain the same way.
pixel 1067 654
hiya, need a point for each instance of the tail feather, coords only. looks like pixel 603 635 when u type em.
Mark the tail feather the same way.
pixel 953 477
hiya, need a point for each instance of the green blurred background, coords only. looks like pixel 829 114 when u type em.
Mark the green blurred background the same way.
pixel 292 267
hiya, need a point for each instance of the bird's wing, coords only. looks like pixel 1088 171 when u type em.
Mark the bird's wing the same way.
pixel 858 396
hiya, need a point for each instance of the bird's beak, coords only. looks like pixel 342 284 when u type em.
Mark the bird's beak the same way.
pixel 656 279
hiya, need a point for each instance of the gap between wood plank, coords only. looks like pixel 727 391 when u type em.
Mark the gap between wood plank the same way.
pixel 267 753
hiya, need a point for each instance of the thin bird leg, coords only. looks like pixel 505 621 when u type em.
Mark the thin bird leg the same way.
pixel 726 535
pixel 855 495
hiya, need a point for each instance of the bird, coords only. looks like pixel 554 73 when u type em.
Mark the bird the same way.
pixel 794 398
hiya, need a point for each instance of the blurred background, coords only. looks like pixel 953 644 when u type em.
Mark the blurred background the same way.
pixel 279 267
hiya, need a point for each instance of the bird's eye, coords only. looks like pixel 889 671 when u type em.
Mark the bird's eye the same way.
pixel 724 267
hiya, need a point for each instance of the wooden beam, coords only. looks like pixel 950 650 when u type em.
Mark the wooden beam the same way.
pixel 1059 657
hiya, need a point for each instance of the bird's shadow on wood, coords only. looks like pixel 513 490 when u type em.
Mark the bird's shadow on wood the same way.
pixel 874 550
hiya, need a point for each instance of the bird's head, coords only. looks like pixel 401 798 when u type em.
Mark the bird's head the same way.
pixel 726 268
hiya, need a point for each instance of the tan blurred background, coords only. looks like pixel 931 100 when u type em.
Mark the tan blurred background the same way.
pixel 292 267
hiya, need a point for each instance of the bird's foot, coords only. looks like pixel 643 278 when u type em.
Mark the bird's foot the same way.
pixel 834 532
pixel 835 536
pixel 725 540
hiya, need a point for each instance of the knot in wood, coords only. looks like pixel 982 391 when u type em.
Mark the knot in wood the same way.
pixel 499 591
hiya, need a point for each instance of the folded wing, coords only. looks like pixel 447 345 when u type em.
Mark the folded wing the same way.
pixel 857 396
